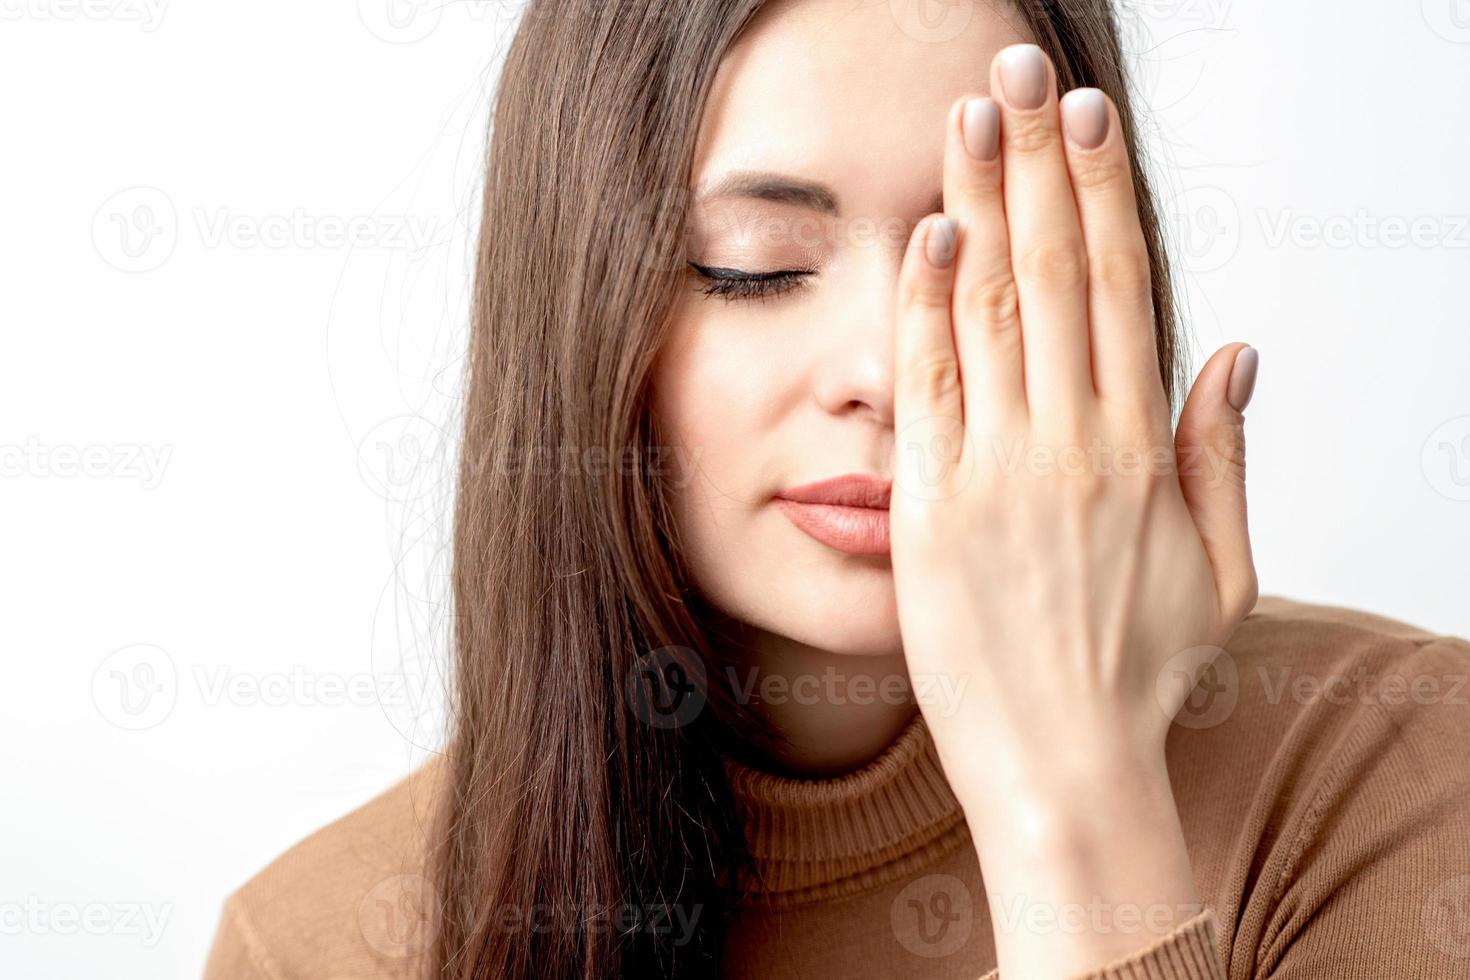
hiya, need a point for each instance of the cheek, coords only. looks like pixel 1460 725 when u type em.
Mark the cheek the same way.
pixel 731 399
pixel 744 360
pixel 718 397
pixel 720 388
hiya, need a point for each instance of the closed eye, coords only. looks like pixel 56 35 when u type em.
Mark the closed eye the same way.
pixel 735 284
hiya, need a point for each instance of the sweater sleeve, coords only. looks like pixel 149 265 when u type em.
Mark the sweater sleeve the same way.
pixel 1375 881
pixel 1187 953
pixel 1370 874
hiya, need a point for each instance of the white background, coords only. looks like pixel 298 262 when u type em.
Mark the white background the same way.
pixel 222 511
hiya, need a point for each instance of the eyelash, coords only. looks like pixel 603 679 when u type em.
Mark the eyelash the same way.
pixel 732 284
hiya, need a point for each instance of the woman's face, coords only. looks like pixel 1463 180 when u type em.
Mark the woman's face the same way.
pixel 767 392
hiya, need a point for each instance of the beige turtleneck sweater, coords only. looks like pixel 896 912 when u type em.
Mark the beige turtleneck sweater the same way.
pixel 1323 787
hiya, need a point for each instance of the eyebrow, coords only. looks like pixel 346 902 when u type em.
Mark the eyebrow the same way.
pixel 765 185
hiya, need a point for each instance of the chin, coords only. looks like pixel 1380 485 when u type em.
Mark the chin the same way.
pixel 788 585
pixel 859 639
pixel 844 606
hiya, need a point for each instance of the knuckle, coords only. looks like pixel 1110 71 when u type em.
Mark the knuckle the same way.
pixel 1122 270
pixel 1092 172
pixel 926 292
pixel 992 302
pixel 933 376
pixel 1033 135
pixel 1057 264
pixel 1085 487
pixel 977 181
pixel 1232 446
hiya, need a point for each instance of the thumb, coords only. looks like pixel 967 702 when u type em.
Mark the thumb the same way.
pixel 1209 447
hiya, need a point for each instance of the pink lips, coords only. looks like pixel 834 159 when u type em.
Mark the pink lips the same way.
pixel 849 512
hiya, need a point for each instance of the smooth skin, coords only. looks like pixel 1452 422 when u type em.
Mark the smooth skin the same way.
pixel 1024 327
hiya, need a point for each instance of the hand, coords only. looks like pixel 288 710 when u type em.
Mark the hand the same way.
pixel 1054 546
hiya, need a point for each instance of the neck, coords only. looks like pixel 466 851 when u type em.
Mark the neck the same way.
pixel 837 712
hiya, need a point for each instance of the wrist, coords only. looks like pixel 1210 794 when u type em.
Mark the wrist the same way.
pixel 1078 764
pixel 1102 861
pixel 1075 797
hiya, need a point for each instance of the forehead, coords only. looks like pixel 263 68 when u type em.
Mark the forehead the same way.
pixel 852 93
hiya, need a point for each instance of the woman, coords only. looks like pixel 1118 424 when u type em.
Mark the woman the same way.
pixel 835 594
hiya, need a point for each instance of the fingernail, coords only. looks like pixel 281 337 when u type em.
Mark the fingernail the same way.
pixel 1085 117
pixel 939 242
pixel 1023 76
pixel 1243 378
pixel 981 125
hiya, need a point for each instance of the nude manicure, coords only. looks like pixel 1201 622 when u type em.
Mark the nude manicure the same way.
pixel 1243 378
pixel 981 125
pixel 939 243
pixel 1023 76
pixel 1085 116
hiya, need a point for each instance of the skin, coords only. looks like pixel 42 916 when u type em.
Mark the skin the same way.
pixel 831 92
pixel 1055 598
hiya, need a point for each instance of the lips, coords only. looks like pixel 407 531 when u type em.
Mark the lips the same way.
pixel 848 513
pixel 849 490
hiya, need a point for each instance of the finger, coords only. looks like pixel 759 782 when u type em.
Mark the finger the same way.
pixel 1046 235
pixel 1125 359
pixel 1210 450
pixel 928 400
pixel 987 321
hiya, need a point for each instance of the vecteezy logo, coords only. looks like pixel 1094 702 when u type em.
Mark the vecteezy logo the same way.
pixel 400 21
pixel 933 916
pixel 1450 19
pixel 136 229
pixel 930 458
pixel 396 458
pixel 1204 697
pixel 136 687
pixel 667 688
pixel 932 21
pixel 1445 459
pixel 1205 224
pixel 398 916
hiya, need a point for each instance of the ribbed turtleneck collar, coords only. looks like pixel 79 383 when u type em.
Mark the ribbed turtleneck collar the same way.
pixel 819 838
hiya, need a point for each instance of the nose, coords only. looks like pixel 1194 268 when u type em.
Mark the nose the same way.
pixel 855 376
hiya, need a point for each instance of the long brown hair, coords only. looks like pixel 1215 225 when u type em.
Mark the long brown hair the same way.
pixel 569 826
